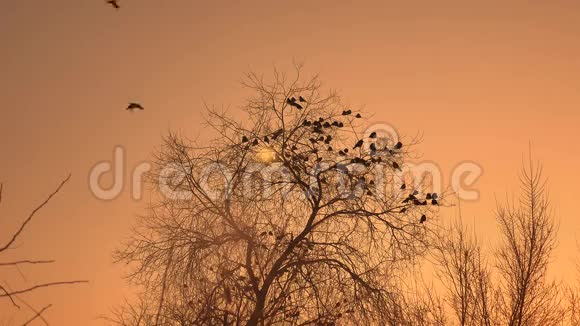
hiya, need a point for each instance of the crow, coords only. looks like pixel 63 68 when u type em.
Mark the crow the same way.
pixel 404 209
pixel 398 145
pixel 373 147
pixel 358 116
pixel 358 144
pixel 245 139
pixel 330 149
pixel 114 3
pixel 423 219
pixel 373 135
pixel 396 166
pixel 428 196
pixel 403 186
pixel 266 140
pixel 434 202
pixel 306 123
pixel 301 99
pixel 132 106
pixel 255 142
pixel 346 112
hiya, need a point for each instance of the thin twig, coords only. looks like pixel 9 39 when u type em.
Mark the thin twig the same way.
pixel 14 263
pixel 41 286
pixel 23 225
pixel 37 315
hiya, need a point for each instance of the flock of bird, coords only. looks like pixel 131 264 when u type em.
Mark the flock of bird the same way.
pixel 321 140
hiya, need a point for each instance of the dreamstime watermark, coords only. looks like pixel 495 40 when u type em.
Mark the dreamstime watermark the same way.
pixel 259 178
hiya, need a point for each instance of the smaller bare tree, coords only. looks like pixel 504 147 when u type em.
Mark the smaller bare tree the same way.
pixel 528 232
pixel 464 271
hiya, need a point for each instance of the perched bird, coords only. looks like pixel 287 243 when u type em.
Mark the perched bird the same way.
pixel 301 99
pixel 373 135
pixel 428 196
pixel 244 139
pixel 434 202
pixel 328 139
pixel 290 100
pixel 326 124
pixel 266 140
pixel 403 186
pixel 306 123
pixel 423 219
pixel 132 106
pixel 404 209
pixel 346 112
pixel 434 196
pixel 341 153
pixel 358 116
pixel 373 147
pixel 298 106
pixel 114 3
pixel 255 142
pixel 398 145
pixel 329 148
pixel 358 144
pixel 396 166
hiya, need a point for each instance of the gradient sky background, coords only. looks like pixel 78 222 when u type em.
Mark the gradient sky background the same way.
pixel 478 79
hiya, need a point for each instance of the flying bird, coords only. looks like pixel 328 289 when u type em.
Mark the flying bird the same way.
pixel 133 106
pixel 423 219
pixel 114 3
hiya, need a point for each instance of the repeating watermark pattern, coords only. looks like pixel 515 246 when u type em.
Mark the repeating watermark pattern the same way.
pixel 260 176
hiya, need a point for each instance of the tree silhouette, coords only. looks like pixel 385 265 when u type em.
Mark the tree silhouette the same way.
pixel 279 221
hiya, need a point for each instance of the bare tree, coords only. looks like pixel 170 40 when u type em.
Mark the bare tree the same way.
pixel 286 220
pixel 13 294
pixel 464 271
pixel 528 233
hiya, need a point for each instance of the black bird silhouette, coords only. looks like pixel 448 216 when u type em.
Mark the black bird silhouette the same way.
pixel 306 123
pixel 403 186
pixel 398 145
pixel 358 116
pixel 404 209
pixel 428 196
pixel 255 142
pixel 396 166
pixel 326 124
pixel 114 3
pixel 245 139
pixel 266 140
pixel 373 147
pixel 301 99
pixel 328 139
pixel 330 148
pixel 290 100
pixel 341 153
pixel 358 144
pixel 434 196
pixel 423 219
pixel 373 135
pixel 346 112
pixel 132 106
pixel 434 202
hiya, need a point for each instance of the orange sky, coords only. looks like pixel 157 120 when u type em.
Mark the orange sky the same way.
pixel 479 80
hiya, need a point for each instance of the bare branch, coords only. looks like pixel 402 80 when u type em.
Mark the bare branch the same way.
pixel 29 218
